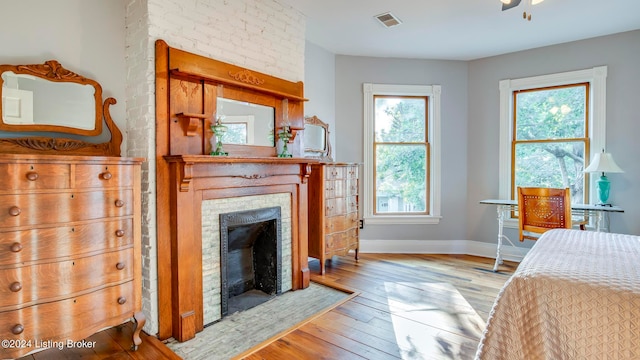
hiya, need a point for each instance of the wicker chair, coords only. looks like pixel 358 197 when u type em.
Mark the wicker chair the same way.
pixel 543 209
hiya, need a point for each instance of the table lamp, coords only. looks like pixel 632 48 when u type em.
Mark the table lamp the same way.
pixel 603 162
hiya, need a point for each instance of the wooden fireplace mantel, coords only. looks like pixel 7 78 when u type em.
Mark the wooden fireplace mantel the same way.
pixel 192 163
pixel 187 88
pixel 196 178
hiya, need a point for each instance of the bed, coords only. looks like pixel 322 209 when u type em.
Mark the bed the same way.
pixel 575 295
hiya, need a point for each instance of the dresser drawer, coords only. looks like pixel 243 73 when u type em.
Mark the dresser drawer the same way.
pixel 351 172
pixel 334 172
pixel 70 319
pixel 351 187
pixel 335 242
pixel 51 281
pixel 340 243
pixel 63 207
pixel 336 206
pixel 93 176
pixel 25 176
pixel 353 238
pixel 31 245
pixel 352 204
pixel 334 189
pixel 341 223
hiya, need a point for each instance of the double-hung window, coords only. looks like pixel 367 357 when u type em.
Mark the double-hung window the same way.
pixel 402 150
pixel 550 138
pixel 550 127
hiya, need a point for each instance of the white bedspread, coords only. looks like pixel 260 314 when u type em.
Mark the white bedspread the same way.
pixel 576 295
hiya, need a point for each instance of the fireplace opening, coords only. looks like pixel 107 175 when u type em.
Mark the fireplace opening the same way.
pixel 250 268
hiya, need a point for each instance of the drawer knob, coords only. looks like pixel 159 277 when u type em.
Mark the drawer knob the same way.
pixel 16 247
pixel 119 233
pixel 14 211
pixel 32 176
pixel 122 300
pixel 120 266
pixel 106 175
pixel 15 287
pixel 119 203
pixel 17 329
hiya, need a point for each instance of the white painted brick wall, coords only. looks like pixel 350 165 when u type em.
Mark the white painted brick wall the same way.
pixel 262 35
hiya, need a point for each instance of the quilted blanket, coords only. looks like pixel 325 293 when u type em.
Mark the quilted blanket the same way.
pixel 575 295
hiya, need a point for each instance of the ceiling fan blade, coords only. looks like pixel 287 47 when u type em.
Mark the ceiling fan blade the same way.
pixel 512 4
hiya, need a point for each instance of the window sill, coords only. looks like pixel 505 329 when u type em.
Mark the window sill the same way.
pixel 402 219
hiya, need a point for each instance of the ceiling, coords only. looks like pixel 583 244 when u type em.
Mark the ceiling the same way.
pixel 458 29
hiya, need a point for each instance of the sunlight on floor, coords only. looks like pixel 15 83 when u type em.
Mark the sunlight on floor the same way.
pixel 444 311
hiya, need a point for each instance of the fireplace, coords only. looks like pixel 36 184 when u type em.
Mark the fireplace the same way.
pixel 213 242
pixel 250 259
pixel 191 184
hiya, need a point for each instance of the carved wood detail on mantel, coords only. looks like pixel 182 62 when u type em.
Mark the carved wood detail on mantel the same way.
pixel 306 173
pixel 186 172
pixel 189 161
pixel 246 76
pixel 192 122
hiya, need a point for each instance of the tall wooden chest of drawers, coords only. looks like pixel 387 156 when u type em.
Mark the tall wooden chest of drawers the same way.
pixel 333 211
pixel 70 255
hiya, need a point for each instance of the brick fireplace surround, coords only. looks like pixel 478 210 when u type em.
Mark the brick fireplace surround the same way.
pixel 212 244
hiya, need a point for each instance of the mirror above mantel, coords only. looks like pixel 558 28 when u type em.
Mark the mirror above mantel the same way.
pixel 247 123
pixel 199 90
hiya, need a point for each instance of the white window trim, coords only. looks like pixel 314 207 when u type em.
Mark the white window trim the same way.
pixel 434 94
pixel 597 77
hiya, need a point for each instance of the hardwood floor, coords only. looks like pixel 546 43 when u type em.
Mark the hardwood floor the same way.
pixel 408 307
pixel 113 344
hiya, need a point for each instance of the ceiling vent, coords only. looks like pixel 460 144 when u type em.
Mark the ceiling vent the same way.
pixel 388 20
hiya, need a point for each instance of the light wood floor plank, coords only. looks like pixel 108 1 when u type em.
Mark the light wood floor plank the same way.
pixel 408 306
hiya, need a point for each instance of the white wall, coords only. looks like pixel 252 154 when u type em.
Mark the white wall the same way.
pixel 351 73
pixel 470 126
pixel 320 87
pixel 85 36
pixel 620 52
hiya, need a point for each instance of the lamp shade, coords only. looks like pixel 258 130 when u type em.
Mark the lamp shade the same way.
pixel 603 162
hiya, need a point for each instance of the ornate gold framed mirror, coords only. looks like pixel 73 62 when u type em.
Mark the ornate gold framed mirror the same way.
pixel 316 139
pixel 47 98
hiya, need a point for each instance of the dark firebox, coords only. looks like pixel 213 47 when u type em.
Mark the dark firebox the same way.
pixel 250 258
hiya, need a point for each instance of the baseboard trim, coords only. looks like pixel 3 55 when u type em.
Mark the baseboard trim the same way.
pixel 466 247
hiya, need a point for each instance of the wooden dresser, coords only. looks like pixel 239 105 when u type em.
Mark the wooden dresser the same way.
pixel 333 210
pixel 70 255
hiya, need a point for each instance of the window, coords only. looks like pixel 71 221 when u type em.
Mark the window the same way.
pixel 549 128
pixel 550 138
pixel 402 153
